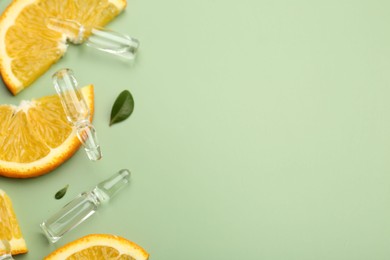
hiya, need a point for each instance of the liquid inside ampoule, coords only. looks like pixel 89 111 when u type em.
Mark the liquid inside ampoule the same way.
pixel 83 206
pixel 70 216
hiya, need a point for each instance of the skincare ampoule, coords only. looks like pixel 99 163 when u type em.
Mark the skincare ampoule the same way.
pixel 97 37
pixel 77 111
pixel 83 206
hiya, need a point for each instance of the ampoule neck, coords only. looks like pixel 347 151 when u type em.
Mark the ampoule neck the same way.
pixel 99 196
pixel 108 188
pixel 82 122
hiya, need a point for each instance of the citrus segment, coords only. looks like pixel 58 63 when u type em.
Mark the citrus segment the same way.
pixel 100 246
pixel 28 47
pixel 9 227
pixel 35 137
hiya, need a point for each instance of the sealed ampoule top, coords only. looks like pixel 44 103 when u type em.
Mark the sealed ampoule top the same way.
pixel 77 111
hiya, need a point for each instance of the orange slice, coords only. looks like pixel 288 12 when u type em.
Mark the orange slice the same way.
pixel 28 47
pixel 35 137
pixel 9 227
pixel 100 246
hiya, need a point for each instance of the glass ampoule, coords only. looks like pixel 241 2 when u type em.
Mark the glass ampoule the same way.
pixel 83 206
pixel 77 111
pixel 97 37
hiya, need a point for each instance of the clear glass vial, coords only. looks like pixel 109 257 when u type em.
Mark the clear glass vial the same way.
pixel 77 111
pixel 83 206
pixel 99 38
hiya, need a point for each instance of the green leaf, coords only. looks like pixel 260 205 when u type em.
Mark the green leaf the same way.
pixel 61 192
pixel 122 108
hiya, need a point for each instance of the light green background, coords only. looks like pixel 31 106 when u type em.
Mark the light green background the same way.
pixel 261 131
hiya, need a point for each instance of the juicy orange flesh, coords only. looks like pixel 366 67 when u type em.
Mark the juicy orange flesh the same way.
pixel 99 246
pixel 53 125
pixel 28 136
pixel 33 47
pixel 5 117
pixel 99 252
pixel 24 145
pixel 9 227
pixel 87 12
